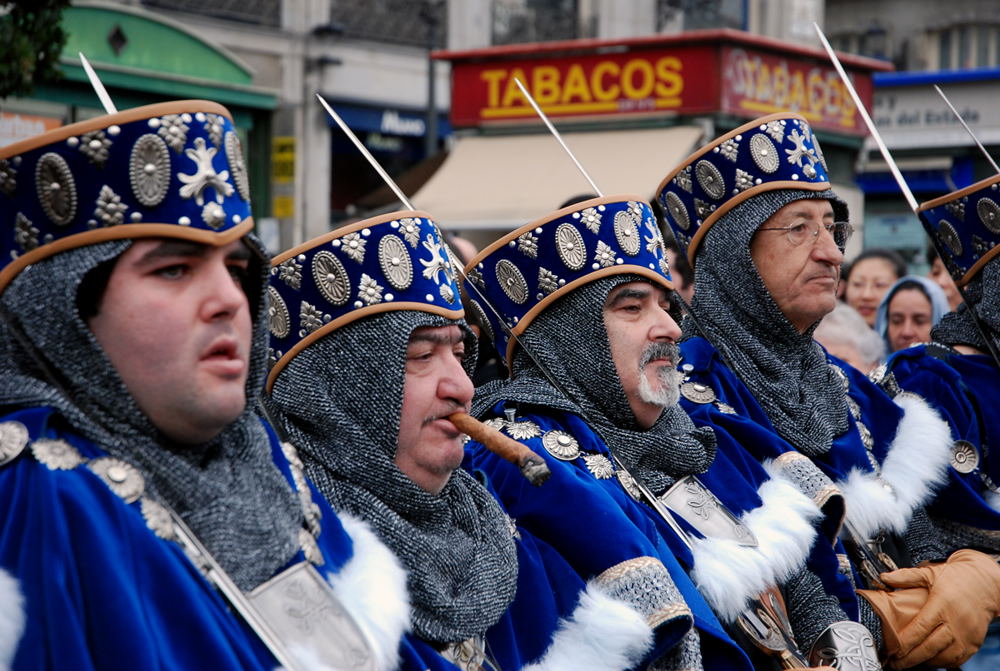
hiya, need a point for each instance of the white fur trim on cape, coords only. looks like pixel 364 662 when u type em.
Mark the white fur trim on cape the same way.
pixel 603 634
pixel 372 587
pixel 915 466
pixel 729 574
pixel 11 618
pixel 993 500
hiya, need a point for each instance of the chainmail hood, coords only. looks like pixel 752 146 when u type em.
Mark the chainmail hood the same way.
pixel 785 370
pixel 227 490
pixel 569 340
pixel 339 400
pixel 959 327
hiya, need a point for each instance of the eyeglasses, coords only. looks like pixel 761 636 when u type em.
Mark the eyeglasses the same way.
pixel 840 231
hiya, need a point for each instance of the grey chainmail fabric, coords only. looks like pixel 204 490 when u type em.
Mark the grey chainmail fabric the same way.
pixel 785 370
pixel 955 535
pixel 960 328
pixel 339 401
pixel 810 608
pixel 923 541
pixel 228 490
pixel 873 623
pixel 570 341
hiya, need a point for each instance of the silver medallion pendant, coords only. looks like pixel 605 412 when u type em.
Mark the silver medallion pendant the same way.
pixel 599 466
pixel 964 457
pixel 697 393
pixel 158 519
pixel 56 454
pixel 689 499
pixel 121 477
pixel 301 609
pixel 13 438
pixel 523 429
pixel 866 436
pixel 629 484
pixel 561 445
pixel 841 375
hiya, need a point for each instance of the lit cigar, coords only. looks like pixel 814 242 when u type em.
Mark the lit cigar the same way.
pixel 532 466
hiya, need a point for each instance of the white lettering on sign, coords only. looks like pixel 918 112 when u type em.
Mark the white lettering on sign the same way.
pixel 394 124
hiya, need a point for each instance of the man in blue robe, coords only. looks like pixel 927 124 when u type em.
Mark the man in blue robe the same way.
pixel 758 221
pixel 958 374
pixel 370 359
pixel 578 305
pixel 144 504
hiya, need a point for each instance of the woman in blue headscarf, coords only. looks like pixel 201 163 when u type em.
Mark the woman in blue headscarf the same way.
pixel 911 307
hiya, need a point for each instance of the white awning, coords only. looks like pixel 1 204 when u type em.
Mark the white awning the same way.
pixel 506 181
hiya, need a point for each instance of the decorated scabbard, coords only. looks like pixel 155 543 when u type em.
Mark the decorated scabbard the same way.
pixel 532 466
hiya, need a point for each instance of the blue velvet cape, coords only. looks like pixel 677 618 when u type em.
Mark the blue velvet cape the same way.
pixel 594 525
pixel 101 591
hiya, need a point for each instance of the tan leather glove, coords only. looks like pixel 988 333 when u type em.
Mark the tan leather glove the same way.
pixel 896 610
pixel 963 597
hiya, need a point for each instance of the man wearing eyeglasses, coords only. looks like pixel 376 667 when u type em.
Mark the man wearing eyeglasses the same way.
pixel 756 216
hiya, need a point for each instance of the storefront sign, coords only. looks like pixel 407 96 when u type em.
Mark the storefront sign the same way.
pixel 735 74
pixel 17 127
pixel 622 83
pixel 283 159
pixel 758 83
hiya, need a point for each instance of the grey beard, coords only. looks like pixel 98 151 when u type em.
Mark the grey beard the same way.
pixel 669 377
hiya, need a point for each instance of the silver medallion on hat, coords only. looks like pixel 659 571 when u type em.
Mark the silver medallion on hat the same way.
pixel 710 179
pixel 569 246
pixel 278 319
pixel 56 188
pixel 394 259
pixel 627 232
pixel 764 153
pixel 13 439
pixel 561 445
pixel 511 281
pixel 949 237
pixel 237 166
pixel 964 457
pixel 989 214
pixel 331 278
pixel 149 170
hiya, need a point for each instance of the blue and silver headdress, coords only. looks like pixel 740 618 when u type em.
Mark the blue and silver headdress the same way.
pixel 396 261
pixel 965 227
pixel 775 152
pixel 173 169
pixel 523 272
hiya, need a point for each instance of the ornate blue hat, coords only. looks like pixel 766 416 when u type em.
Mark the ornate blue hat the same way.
pixel 965 227
pixel 526 270
pixel 774 152
pixel 397 261
pixel 168 170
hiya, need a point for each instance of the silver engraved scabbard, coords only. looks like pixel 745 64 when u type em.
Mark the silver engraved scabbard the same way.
pixel 300 608
pixel 847 646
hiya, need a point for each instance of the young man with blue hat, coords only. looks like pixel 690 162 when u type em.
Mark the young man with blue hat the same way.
pixel 150 519
pixel 578 303
pixel 765 233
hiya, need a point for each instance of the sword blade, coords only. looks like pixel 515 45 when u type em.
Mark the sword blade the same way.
pixel 95 81
pixel 868 120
